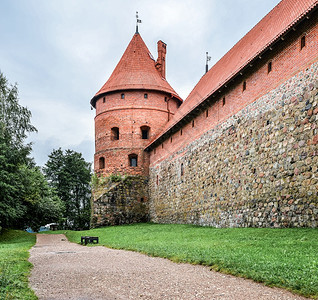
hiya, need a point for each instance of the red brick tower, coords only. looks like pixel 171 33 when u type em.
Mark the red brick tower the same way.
pixel 131 109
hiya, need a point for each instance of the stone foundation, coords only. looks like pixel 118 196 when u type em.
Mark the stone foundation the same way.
pixel 120 200
pixel 258 168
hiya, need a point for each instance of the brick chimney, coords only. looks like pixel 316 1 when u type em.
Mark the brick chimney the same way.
pixel 161 60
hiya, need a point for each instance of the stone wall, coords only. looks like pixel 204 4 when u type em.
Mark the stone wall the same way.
pixel 120 200
pixel 257 168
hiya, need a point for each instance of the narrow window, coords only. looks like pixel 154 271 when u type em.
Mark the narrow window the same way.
pixel 154 151
pixel 223 101
pixel 166 99
pixel 146 96
pixel 157 181
pixel 162 145
pixel 101 162
pixel 244 86
pixel 192 123
pixel 206 113
pixel 114 134
pixel 302 42
pixel 171 140
pixel 269 67
pixel 145 132
pixel 133 160
pixel 103 99
pixel 181 132
pixel 142 200
pixel 122 96
pixel 182 170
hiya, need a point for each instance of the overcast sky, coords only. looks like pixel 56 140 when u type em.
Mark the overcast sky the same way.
pixel 61 52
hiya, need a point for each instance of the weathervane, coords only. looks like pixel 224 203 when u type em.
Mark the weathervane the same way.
pixel 137 21
pixel 208 58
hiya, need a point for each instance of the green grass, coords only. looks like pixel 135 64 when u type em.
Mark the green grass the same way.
pixel 14 265
pixel 285 258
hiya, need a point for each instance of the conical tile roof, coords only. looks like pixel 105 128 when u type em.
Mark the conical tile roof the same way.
pixel 136 70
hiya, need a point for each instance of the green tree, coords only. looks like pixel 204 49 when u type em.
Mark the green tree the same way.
pixel 70 175
pixel 25 197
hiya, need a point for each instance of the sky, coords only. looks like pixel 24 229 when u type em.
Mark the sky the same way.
pixel 61 52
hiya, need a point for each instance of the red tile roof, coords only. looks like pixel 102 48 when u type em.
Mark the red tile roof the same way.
pixel 268 30
pixel 136 70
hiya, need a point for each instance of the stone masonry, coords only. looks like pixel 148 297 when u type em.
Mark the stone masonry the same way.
pixel 258 168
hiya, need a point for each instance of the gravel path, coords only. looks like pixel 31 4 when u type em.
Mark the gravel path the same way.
pixel 64 270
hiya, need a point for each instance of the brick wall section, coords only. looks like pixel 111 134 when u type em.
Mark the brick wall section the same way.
pixel 129 115
pixel 257 168
pixel 287 60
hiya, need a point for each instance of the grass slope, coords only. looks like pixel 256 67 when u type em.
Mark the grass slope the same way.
pixel 285 258
pixel 14 265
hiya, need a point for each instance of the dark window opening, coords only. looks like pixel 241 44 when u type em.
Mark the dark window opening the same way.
pixel 192 123
pixel 302 42
pixel 146 96
pixel 269 67
pixel 157 181
pixel 154 151
pixel 171 140
pixel 101 162
pixel 115 133
pixel 145 132
pixel 142 200
pixel 206 113
pixel 133 160
pixel 122 96
pixel 244 85
pixel 182 169
pixel 103 99
pixel 166 99
pixel 223 101
pixel 162 145
pixel 181 132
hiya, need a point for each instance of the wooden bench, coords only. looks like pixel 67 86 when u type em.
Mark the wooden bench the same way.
pixel 89 239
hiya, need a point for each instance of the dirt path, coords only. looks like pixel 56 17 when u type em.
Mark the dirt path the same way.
pixel 64 270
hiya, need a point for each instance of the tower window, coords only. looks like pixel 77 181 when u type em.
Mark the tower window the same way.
pixel 103 99
pixel 192 123
pixel 133 160
pixel 206 113
pixel 154 151
pixel 157 180
pixel 182 169
pixel 171 140
pixel 269 67
pixel 181 132
pixel 302 42
pixel 114 133
pixel 146 96
pixel 244 86
pixel 145 132
pixel 102 163
pixel 223 101
pixel 122 96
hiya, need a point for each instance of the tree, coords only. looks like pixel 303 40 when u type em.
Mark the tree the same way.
pixel 25 196
pixel 69 174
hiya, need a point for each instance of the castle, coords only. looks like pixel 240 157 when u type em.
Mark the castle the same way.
pixel 241 150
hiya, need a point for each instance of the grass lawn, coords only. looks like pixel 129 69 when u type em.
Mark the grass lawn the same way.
pixel 14 265
pixel 285 258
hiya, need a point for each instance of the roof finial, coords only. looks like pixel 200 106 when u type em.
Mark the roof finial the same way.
pixel 208 58
pixel 137 21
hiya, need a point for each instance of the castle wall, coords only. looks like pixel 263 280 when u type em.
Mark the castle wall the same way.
pixel 252 161
pixel 120 200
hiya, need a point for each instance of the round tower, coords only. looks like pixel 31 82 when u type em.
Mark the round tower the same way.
pixel 131 109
